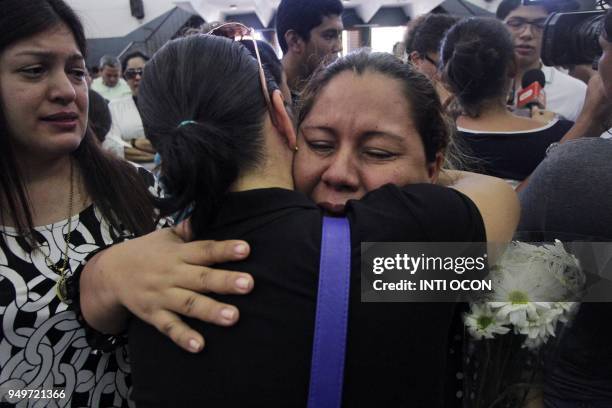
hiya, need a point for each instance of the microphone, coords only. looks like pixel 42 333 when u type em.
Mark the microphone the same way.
pixel 532 92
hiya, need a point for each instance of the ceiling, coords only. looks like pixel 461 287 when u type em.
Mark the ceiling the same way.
pixel 112 18
pixel 217 10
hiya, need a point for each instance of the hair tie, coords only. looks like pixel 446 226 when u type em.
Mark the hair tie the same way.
pixel 186 122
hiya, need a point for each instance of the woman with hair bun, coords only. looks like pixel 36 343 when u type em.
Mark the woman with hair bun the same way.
pixel 478 59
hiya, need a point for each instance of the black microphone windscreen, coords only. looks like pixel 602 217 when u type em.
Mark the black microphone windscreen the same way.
pixel 533 75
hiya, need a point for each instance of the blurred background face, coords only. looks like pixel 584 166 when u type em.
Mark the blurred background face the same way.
pixel 133 73
pixel 110 76
pixel 526 25
pixel 325 42
pixel 358 136
pixel 44 93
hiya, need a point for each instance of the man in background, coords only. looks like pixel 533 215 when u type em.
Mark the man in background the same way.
pixel 564 94
pixel 127 125
pixel 109 84
pixel 310 34
pixel 423 39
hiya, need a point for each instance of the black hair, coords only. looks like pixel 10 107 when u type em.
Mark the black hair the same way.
pixel 124 202
pixel 136 54
pixel 203 109
pixel 272 65
pixel 476 56
pixel 551 6
pixel 427 32
pixel 302 16
pixel 425 106
pixel 100 119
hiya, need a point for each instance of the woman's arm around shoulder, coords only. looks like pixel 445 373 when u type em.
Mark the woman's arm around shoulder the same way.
pixel 495 199
pixel 159 277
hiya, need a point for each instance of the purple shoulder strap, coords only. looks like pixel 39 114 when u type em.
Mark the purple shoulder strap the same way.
pixel 329 345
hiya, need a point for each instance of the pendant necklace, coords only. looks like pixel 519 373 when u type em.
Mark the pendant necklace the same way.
pixel 61 289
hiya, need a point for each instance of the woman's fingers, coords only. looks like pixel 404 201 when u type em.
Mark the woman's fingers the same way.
pixel 201 307
pixel 207 253
pixel 180 333
pixel 186 303
pixel 209 280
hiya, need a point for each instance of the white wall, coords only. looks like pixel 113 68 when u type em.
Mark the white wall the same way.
pixel 112 18
pixel 487 5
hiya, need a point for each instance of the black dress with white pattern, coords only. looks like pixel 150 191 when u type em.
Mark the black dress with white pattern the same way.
pixel 42 344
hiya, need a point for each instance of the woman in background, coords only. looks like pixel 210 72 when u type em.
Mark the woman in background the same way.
pixel 478 59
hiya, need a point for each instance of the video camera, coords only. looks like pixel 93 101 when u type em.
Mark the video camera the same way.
pixel 572 38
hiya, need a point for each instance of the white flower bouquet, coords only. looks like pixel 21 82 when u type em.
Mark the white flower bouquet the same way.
pixel 534 286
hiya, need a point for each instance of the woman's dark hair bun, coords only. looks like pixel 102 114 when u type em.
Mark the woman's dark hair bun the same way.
pixel 476 56
pixel 197 160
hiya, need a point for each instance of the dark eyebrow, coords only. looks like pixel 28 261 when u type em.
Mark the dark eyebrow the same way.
pixel 321 128
pixel 48 55
pixel 375 134
pixel 367 135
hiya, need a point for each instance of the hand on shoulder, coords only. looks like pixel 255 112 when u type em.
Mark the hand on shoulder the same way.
pixel 159 277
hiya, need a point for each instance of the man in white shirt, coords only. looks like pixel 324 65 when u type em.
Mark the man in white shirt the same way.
pixel 127 125
pixel 109 84
pixel 564 94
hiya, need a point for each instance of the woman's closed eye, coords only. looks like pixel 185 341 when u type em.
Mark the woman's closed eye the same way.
pixel 378 154
pixel 321 146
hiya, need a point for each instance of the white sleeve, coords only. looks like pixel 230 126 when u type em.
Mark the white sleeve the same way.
pixel 114 145
pixel 113 141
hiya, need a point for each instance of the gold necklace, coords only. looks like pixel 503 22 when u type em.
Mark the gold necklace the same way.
pixel 60 286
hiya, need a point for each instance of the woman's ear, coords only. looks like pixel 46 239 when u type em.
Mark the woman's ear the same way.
pixel 284 122
pixel 435 167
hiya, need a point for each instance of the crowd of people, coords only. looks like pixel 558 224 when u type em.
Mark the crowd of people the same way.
pixel 111 277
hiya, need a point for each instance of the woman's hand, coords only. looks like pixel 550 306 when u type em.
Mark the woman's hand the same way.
pixel 144 145
pixel 159 277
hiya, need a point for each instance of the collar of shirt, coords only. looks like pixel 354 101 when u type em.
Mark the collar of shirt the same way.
pixel 243 205
pixel 549 73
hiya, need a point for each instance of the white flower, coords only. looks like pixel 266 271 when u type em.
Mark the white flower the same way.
pixel 531 287
pixel 537 273
pixel 518 312
pixel 527 276
pixel 541 327
pixel 482 322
